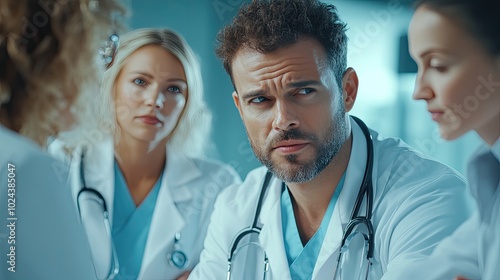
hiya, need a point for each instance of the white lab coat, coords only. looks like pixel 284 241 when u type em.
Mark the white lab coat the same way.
pixel 473 251
pixel 184 204
pixel 417 202
pixel 48 238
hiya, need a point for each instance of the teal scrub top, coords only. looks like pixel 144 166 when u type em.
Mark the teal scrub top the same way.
pixel 131 226
pixel 301 259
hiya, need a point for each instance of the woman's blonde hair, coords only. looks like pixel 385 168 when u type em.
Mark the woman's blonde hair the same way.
pixel 48 56
pixel 191 132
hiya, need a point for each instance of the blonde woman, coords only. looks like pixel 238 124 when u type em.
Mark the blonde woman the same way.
pixel 41 81
pixel 144 161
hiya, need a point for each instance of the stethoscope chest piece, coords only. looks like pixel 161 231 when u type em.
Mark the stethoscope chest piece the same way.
pixel 177 257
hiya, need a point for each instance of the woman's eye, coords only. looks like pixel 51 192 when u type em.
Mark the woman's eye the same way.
pixel 440 68
pixel 139 82
pixel 438 65
pixel 174 89
pixel 306 91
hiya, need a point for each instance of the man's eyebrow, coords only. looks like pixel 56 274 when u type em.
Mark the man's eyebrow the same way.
pixel 252 94
pixel 305 83
pixel 255 93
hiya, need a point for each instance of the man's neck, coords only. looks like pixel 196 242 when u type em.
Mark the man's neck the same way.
pixel 311 199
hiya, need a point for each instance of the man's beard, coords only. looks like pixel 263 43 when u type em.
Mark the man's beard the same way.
pixel 325 150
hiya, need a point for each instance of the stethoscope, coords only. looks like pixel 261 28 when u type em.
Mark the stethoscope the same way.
pixel 356 219
pixel 177 258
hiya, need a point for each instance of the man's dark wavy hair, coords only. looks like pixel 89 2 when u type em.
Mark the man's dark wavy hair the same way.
pixel 268 25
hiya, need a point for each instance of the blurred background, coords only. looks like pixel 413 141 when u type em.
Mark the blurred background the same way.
pixel 378 51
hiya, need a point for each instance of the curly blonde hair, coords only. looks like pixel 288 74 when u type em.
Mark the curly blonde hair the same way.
pixel 46 52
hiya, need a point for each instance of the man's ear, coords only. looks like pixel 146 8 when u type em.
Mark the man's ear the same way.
pixel 349 88
pixel 236 100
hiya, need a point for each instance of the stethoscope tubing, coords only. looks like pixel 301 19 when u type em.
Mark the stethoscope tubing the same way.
pixel 355 219
pixel 115 267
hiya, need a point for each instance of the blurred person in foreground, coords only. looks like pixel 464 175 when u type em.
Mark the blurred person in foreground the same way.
pixel 49 63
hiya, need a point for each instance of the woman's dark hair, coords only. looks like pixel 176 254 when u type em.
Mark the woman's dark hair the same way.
pixel 481 18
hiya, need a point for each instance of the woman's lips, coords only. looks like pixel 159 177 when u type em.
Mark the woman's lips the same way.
pixel 149 120
pixel 436 116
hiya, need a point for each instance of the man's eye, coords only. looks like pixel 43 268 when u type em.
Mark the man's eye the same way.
pixel 306 91
pixel 258 99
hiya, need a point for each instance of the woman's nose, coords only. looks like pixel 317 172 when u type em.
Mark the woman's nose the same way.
pixel 422 89
pixel 154 98
pixel 160 101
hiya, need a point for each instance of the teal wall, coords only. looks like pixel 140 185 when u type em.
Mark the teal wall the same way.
pixel 199 21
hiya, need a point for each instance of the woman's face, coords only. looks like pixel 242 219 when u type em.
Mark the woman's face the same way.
pixel 457 77
pixel 150 93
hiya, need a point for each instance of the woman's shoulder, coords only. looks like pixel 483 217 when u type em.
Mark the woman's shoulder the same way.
pixel 58 149
pixel 209 168
pixel 65 150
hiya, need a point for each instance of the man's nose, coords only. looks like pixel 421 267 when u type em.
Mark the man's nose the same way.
pixel 284 116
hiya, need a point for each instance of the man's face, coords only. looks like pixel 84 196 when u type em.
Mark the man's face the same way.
pixel 292 108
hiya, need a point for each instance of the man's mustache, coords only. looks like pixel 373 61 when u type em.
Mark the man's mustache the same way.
pixel 293 134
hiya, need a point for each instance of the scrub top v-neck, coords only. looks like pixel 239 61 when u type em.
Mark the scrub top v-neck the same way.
pixel 301 259
pixel 131 225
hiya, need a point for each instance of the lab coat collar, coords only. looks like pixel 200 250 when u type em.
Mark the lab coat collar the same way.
pixel 98 170
pixel 174 188
pixel 179 171
pixel 99 173
pixel 354 174
pixel 271 236
pixel 165 223
pixel 485 148
pixel 495 149
pixel 343 208
pixel 483 159
pixel 167 220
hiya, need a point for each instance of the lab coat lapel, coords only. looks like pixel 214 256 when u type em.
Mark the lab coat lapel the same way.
pixel 327 258
pixel 271 236
pixel 99 171
pixel 167 219
pixel 181 171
